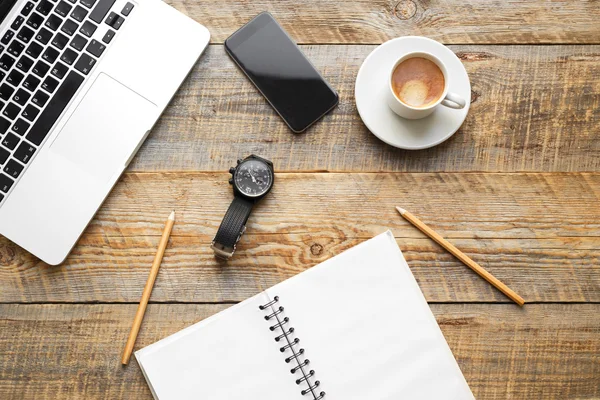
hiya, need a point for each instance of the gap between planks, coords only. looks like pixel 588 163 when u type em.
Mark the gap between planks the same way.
pixel 232 303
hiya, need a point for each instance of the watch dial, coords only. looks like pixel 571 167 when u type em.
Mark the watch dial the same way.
pixel 253 178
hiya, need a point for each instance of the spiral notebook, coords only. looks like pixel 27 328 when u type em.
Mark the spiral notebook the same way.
pixel 354 327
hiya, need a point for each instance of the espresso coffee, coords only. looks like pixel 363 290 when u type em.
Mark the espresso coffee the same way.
pixel 418 82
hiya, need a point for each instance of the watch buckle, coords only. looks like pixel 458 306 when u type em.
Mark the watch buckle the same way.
pixel 221 251
pixel 225 252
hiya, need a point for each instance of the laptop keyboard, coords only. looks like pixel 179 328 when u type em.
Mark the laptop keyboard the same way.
pixel 45 56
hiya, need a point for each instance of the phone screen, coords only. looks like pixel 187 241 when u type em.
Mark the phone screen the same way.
pixel 277 67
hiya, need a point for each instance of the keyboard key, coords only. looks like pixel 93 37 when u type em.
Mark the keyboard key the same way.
pixel 108 36
pixel 63 8
pixel 31 83
pixel 59 70
pixel 88 3
pixel 118 22
pixel 2 75
pixel 53 22
pixel 69 27
pixel 4 125
pixel 6 91
pixel 30 112
pixel 39 99
pixel 68 56
pixel 96 48
pixel 24 152
pixel 78 42
pixel 3 155
pixel 60 40
pixel 127 9
pixel 34 49
pixel 25 34
pixel 44 36
pixel 15 77
pixel 16 48
pixel 35 20
pixel 11 111
pixel 85 64
pixel 50 114
pixel 27 9
pixel 44 7
pixel 6 61
pixel 79 13
pixel 5 183
pixel 111 18
pixel 10 141
pixel 20 127
pixel 17 22
pixel 88 29
pixel 49 84
pixel 13 169
pixel 24 63
pixel 100 10
pixel 21 96
pixel 72 1
pixel 41 69
pixel 7 36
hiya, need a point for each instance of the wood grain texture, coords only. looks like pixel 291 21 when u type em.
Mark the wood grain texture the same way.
pixel 542 351
pixel 368 21
pixel 534 68
pixel 538 233
pixel 535 108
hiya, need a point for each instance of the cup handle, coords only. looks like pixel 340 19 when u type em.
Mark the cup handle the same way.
pixel 455 101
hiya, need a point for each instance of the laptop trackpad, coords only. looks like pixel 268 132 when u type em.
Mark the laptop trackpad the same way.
pixel 105 128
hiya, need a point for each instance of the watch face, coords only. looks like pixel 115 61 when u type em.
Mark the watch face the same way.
pixel 253 178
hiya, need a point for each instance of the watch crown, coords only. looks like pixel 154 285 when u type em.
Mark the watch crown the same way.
pixel 231 170
pixel 231 181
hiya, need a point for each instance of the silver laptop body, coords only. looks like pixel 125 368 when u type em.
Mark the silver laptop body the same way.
pixel 73 117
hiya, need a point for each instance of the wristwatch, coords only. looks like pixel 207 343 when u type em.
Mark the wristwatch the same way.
pixel 252 179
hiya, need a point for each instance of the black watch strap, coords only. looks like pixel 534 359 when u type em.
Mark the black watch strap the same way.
pixel 232 227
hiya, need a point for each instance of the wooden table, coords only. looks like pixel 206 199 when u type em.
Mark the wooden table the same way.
pixel 517 188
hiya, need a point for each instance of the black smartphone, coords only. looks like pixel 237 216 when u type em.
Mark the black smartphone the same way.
pixel 281 72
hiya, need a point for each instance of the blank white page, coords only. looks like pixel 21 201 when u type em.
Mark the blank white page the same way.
pixel 229 356
pixel 367 329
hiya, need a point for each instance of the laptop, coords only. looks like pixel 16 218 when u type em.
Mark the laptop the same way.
pixel 82 82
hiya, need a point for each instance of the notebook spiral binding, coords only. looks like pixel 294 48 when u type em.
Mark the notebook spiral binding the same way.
pixel 289 343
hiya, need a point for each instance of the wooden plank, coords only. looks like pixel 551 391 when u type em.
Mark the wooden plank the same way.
pixel 368 21
pixel 535 108
pixel 539 233
pixel 543 351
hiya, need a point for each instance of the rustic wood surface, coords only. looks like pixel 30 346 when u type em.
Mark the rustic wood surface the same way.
pixel 534 108
pixel 517 188
pixel 536 232
pixel 375 21
pixel 69 351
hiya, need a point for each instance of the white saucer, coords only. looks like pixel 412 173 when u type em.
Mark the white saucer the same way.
pixel 372 83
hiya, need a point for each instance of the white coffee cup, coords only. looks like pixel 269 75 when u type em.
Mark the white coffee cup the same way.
pixel 451 100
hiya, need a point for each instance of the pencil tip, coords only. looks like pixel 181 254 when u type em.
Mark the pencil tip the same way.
pixel 172 216
pixel 401 210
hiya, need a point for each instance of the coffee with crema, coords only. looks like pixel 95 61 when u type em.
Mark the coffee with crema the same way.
pixel 418 82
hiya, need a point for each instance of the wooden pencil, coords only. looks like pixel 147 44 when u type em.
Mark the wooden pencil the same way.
pixel 139 315
pixel 461 256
